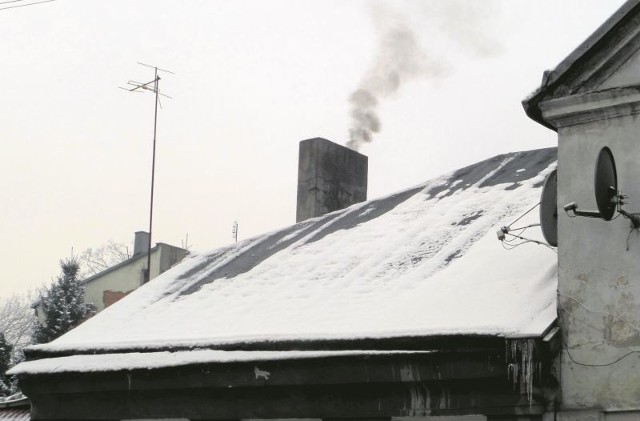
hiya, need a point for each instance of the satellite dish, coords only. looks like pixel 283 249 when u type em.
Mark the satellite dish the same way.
pixel 608 198
pixel 606 184
pixel 549 209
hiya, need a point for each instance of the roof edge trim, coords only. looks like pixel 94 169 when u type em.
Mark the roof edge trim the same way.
pixel 417 343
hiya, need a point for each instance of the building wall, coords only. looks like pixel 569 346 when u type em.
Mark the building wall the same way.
pixel 599 261
pixel 123 279
pixel 169 256
pixel 127 278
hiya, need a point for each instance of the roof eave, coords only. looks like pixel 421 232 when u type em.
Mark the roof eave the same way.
pixel 552 78
pixel 414 342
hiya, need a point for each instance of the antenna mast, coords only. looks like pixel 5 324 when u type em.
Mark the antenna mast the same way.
pixel 153 86
pixel 234 231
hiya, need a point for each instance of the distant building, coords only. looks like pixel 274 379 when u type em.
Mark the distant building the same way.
pixel 112 284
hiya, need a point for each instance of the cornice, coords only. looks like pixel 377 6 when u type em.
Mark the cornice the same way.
pixel 584 108
pixel 592 63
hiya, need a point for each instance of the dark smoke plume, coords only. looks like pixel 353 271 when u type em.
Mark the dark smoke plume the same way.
pixel 400 58
pixel 365 122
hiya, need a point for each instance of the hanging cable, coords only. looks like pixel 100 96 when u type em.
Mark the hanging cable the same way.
pixel 573 360
pixel 522 216
pixel 23 5
pixel 527 240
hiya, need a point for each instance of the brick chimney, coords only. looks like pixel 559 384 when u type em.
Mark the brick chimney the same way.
pixel 140 242
pixel 330 177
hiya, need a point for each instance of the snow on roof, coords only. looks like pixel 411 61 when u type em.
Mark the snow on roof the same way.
pixel 421 262
pixel 151 360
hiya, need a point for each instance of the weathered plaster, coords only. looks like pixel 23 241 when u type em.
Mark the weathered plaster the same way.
pixel 599 278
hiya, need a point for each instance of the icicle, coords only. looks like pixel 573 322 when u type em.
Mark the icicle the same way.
pixel 521 367
pixel 526 357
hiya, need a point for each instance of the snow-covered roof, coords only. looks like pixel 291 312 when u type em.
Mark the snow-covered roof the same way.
pixel 422 262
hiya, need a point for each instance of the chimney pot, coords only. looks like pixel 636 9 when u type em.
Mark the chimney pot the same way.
pixel 140 242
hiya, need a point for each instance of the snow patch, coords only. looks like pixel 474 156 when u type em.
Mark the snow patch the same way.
pixel 153 360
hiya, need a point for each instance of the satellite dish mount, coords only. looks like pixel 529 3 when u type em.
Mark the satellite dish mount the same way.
pixel 608 198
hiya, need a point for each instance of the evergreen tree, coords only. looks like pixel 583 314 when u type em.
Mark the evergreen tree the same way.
pixel 5 362
pixel 62 303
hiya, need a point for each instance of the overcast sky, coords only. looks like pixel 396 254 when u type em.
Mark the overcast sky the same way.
pixel 252 79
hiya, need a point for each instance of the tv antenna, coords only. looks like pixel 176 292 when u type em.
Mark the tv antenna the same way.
pixel 153 86
pixel 185 243
pixel 608 198
pixel 234 231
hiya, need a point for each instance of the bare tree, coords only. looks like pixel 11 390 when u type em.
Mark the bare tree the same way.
pixel 17 320
pixel 95 260
pixel 17 326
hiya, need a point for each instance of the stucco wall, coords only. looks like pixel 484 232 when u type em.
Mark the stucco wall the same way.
pixel 124 279
pixel 599 278
pixel 128 277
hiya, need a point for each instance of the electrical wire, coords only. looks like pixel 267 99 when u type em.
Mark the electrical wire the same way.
pixel 522 216
pixel 23 5
pixel 511 246
pixel 603 313
pixel 610 363
pixel 527 240
pixel 573 360
pixel 519 233
pixel 526 226
pixel 629 236
pixel 508 244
